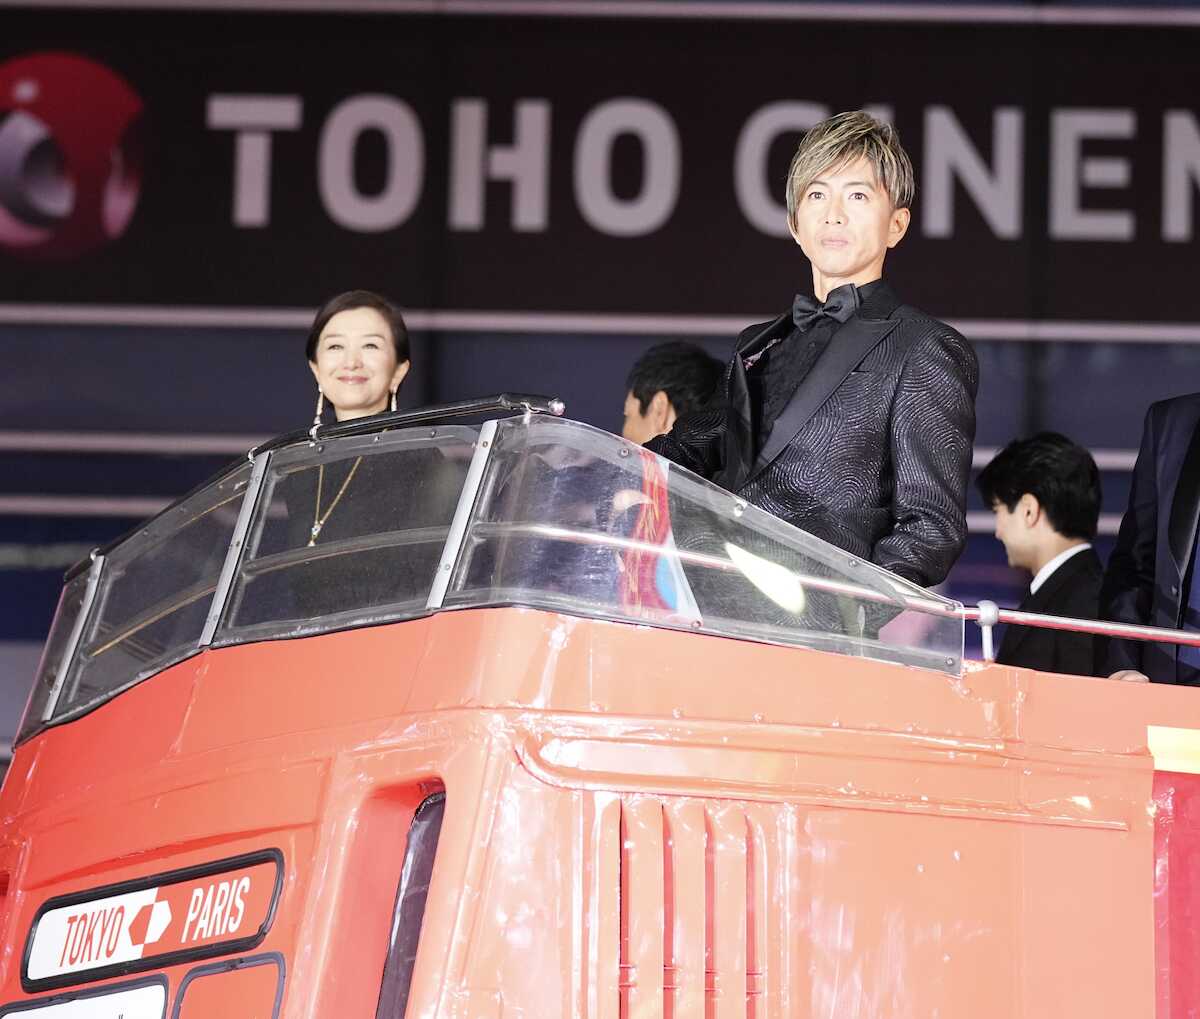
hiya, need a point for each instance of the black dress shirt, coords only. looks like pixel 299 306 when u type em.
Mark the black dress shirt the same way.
pixel 777 373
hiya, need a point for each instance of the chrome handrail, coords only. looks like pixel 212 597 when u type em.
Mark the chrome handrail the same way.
pixel 987 614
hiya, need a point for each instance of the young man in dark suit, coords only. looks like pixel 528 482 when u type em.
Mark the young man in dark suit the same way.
pixel 1151 577
pixel 1045 493
pixel 851 415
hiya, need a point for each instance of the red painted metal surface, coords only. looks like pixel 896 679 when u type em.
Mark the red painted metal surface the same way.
pixel 638 822
pixel 1177 894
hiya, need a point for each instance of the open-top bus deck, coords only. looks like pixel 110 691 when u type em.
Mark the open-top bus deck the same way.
pixel 537 724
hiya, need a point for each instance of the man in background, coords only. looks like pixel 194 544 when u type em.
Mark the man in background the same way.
pixel 1045 493
pixel 667 382
pixel 1151 577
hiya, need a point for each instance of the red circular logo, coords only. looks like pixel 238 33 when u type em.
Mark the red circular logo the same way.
pixel 70 155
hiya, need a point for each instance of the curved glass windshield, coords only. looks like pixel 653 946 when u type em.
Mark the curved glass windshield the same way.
pixel 348 532
pixel 529 510
pixel 153 595
pixel 572 518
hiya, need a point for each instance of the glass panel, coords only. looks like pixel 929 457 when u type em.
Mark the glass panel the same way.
pixel 69 604
pixel 348 532
pixel 154 594
pixel 573 518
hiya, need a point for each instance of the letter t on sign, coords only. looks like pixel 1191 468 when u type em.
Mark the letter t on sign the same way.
pixel 253 118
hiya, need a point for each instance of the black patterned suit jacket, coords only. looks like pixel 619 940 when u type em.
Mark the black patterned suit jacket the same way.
pixel 873 451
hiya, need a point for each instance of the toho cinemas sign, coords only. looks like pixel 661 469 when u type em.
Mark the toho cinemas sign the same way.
pixel 572 165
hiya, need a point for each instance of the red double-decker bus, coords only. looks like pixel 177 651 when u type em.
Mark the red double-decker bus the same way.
pixel 434 716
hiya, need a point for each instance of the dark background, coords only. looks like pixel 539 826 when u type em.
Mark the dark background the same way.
pixel 709 76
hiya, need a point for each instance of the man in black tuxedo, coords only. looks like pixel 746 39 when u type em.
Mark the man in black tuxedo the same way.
pixel 1045 493
pixel 851 415
pixel 1151 576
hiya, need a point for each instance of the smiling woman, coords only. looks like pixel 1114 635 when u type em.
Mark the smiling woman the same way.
pixel 358 352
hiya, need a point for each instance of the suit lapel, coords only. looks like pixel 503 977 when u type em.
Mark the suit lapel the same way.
pixel 764 336
pixel 738 451
pixel 1185 507
pixel 1015 634
pixel 849 345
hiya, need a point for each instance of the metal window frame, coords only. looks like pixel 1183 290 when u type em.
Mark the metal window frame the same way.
pixel 462 514
pixel 68 655
pixel 412 904
pixel 233 557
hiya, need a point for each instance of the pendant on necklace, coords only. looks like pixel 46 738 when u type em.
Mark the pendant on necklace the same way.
pixel 316 529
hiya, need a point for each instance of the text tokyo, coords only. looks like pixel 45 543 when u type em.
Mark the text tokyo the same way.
pixel 949 162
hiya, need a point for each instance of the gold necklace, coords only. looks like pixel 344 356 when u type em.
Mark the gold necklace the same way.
pixel 318 520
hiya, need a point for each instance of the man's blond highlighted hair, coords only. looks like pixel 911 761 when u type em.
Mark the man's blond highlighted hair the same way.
pixel 843 139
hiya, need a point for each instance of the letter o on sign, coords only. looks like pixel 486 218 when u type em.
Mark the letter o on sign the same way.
pixel 655 202
pixel 401 130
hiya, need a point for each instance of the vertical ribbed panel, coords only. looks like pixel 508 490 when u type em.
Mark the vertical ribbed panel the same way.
pixel 726 927
pixel 789 892
pixel 684 966
pixel 697 922
pixel 606 892
pixel 669 897
pixel 757 909
pixel 643 888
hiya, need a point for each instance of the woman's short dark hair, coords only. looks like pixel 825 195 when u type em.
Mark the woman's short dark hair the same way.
pixel 1061 475
pixel 350 300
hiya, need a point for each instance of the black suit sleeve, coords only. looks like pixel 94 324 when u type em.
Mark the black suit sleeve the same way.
pixel 1074 653
pixel 932 435
pixel 1126 595
pixel 696 441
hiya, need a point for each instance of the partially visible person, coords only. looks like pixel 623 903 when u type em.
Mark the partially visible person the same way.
pixel 1151 576
pixel 852 414
pixel 668 381
pixel 1045 494
pixel 359 354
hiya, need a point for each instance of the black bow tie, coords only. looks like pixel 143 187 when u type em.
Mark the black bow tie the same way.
pixel 839 306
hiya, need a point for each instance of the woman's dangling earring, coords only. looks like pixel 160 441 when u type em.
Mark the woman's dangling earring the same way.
pixel 393 401
pixel 320 407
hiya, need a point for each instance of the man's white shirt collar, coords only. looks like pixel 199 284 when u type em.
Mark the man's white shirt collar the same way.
pixel 1047 571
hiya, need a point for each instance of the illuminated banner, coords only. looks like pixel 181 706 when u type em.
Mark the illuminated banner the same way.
pixel 530 164
pixel 221 907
